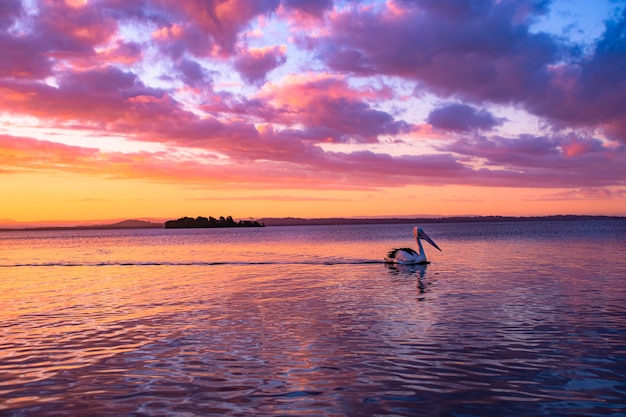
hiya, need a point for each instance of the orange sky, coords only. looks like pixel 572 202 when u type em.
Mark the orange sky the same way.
pixel 318 109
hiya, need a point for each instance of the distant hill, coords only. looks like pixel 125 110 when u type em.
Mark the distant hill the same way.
pixel 126 224
pixel 130 224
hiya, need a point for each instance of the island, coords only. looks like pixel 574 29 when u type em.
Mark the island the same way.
pixel 209 222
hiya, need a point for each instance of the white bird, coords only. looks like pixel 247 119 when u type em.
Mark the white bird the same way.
pixel 408 255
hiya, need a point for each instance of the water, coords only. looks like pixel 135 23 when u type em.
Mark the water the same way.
pixel 509 319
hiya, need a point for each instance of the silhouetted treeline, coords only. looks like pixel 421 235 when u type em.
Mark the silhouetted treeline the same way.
pixel 209 222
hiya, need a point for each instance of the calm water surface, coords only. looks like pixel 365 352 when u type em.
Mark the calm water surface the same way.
pixel 509 319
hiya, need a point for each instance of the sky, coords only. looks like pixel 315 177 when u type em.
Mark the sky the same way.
pixel 158 109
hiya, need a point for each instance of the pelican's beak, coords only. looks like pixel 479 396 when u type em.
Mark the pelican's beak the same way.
pixel 428 239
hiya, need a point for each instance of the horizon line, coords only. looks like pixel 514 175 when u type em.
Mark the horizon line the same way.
pixel 10 224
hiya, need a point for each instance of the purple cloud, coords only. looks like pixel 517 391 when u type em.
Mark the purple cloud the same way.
pixel 550 161
pixel 10 10
pixel 590 92
pixel 485 56
pixel 253 65
pixel 459 117
pixel 192 74
pixel 96 97
pixel 202 27
pixel 485 51
pixel 71 30
pixel 312 7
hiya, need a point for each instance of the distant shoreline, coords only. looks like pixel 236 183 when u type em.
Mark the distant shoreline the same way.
pixel 297 221
pixel 293 221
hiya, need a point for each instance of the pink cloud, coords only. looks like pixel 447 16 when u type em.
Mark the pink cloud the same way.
pixel 269 198
pixel 95 96
pixel 18 154
pixel 128 107
pixel 589 193
pixel 329 109
pixel 331 169
pixel 301 167
pixel 126 53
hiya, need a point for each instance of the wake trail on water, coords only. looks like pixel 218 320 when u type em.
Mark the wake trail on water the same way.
pixel 212 263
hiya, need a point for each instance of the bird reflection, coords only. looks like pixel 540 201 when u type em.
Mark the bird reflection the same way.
pixel 407 269
pixel 410 270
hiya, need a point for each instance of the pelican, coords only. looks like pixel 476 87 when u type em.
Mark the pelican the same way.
pixel 408 255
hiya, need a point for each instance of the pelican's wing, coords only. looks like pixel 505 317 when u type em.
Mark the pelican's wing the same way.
pixel 393 252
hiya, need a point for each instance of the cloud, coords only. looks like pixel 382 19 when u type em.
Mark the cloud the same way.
pixel 95 96
pixel 254 64
pixel 192 74
pixel 60 30
pixel 329 110
pixel 67 30
pixel 460 9
pixel 554 161
pixel 10 11
pixel 484 51
pixel 472 52
pixel 270 198
pixel 19 154
pixel 481 56
pixel 460 117
pixel 165 72
pixel 314 8
pixel 23 58
pixel 590 193
pixel 202 27
pixel 88 200
pixel 292 164
pixel 590 91
pixel 120 52
pixel 312 168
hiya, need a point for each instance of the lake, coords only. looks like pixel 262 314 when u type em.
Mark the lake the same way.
pixel 521 318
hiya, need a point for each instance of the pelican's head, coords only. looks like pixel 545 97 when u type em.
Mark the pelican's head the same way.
pixel 419 233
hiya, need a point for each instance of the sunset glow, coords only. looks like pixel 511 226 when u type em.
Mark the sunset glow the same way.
pixel 318 108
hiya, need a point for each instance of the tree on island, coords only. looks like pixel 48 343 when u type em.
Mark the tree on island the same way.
pixel 210 222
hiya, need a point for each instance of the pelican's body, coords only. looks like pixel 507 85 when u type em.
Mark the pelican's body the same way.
pixel 408 255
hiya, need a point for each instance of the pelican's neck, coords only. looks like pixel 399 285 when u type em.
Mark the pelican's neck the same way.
pixel 420 248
